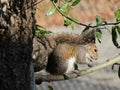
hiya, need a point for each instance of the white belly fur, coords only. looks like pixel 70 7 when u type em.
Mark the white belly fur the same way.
pixel 70 63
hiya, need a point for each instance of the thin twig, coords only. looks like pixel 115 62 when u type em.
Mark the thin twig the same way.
pixel 39 78
pixel 101 66
pixel 37 3
pixel 67 16
pixel 82 24
pixel 34 4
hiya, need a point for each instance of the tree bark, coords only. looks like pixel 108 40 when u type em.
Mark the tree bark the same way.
pixel 16 34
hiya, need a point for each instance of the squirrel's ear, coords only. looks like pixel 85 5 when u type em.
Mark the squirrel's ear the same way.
pixel 89 36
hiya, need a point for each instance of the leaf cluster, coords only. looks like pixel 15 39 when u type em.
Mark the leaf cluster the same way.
pixel 115 30
pixel 64 7
pixel 39 30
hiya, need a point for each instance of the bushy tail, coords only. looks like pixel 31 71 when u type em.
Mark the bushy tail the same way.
pixel 84 38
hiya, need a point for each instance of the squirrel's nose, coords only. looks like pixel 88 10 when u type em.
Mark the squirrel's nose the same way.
pixel 96 58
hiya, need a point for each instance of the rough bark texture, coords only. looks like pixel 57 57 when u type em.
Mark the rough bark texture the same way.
pixel 42 47
pixel 16 33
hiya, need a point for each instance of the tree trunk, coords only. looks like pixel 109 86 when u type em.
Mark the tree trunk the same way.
pixel 16 34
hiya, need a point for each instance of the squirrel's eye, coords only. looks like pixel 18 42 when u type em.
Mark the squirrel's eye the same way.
pixel 95 50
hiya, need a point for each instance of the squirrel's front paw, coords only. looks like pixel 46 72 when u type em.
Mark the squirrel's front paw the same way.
pixel 66 76
pixel 77 72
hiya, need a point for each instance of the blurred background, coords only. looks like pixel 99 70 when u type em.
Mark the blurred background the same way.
pixel 105 79
pixel 85 12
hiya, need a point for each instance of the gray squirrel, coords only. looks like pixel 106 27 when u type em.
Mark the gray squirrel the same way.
pixel 65 55
pixel 62 51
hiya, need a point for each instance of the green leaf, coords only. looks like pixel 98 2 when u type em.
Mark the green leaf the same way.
pixel 67 22
pixel 99 20
pixel 51 11
pixel 39 30
pixel 119 72
pixel 75 19
pixel 55 1
pixel 118 29
pixel 75 2
pixel 72 26
pixel 50 87
pixel 117 15
pixel 105 22
pixel 115 36
pixel 39 27
pixel 76 66
pixel 68 0
pixel 98 35
pixel 65 8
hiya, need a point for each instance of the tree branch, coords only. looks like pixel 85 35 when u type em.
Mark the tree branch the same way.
pixel 40 78
pixel 67 16
pixel 82 24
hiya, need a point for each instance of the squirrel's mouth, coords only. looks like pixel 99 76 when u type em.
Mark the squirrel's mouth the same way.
pixel 90 59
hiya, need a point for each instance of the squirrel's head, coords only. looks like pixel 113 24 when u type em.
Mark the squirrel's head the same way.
pixel 92 54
